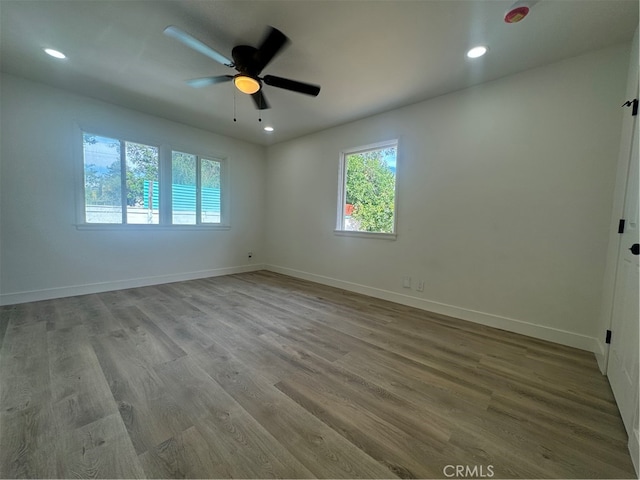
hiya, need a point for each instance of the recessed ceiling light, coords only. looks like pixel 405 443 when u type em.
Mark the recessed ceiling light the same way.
pixel 268 129
pixel 54 53
pixel 476 52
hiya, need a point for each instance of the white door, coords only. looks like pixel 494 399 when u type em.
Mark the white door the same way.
pixel 622 369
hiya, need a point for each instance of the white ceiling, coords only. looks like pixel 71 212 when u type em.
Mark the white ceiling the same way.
pixel 368 56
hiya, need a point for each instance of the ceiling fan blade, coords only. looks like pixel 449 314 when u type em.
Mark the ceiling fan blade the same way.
pixel 206 81
pixel 271 45
pixel 196 45
pixel 260 100
pixel 292 85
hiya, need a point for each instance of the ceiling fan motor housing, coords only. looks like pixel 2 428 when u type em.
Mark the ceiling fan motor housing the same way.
pixel 244 59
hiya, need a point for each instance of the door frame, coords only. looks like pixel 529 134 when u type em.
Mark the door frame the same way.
pixel 601 349
pixel 629 124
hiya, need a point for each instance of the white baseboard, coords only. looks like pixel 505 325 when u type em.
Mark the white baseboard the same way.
pixel 73 290
pixel 634 450
pixel 555 335
pixel 601 350
pixel 517 326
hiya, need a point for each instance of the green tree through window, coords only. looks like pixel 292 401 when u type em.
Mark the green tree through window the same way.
pixel 370 188
pixel 142 165
pixel 103 179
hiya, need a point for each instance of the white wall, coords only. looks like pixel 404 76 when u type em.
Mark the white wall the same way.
pixel 504 200
pixel 44 255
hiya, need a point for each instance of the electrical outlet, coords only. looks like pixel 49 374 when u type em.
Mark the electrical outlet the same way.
pixel 250 255
pixel 420 287
pixel 406 282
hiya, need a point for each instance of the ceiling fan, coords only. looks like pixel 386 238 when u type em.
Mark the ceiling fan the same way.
pixel 249 62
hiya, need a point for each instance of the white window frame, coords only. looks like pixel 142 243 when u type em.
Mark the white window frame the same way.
pixel 342 191
pixel 224 211
pixel 164 180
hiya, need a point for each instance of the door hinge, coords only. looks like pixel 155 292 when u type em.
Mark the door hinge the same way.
pixel 608 338
pixel 632 103
pixel 621 226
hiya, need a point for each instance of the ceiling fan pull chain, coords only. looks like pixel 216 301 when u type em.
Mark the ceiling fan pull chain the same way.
pixel 234 105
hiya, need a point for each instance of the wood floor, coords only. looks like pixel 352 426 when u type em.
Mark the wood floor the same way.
pixel 260 375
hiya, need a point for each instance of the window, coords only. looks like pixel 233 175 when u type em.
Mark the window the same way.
pixel 195 189
pixel 123 184
pixel 119 181
pixel 367 193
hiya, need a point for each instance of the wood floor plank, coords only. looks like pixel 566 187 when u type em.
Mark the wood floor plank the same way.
pixel 80 392
pixel 415 383
pixel 127 298
pixel 392 447
pixel 35 312
pixel 185 455
pixel 181 328
pixel 27 424
pixel 95 312
pixel 186 332
pixel 272 298
pixel 322 450
pixel 260 375
pixel 255 453
pixel 426 425
pixel 167 301
pixel 541 431
pixel 150 414
pixel 507 460
pixel 65 313
pixel 101 449
pixel 152 343
pixel 24 367
pixel 222 422
pixel 196 391
pixel 539 400
pixel 232 331
pixel 27 442
pixel 572 386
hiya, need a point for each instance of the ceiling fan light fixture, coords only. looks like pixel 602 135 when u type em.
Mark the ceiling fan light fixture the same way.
pixel 246 84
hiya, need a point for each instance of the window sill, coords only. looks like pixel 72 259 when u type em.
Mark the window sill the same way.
pixel 149 228
pixel 376 235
